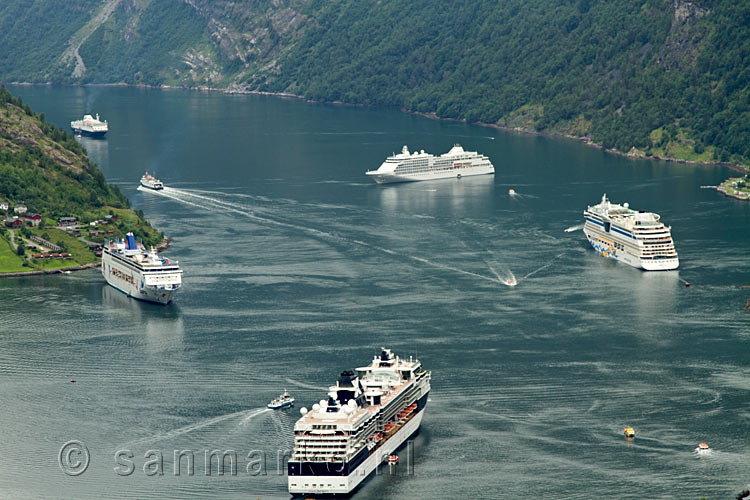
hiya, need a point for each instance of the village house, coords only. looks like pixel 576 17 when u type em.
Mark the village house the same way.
pixel 67 221
pixel 4 206
pixel 32 219
pixel 14 223
pixel 20 209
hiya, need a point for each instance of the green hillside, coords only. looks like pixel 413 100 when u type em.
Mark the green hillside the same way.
pixel 44 168
pixel 667 78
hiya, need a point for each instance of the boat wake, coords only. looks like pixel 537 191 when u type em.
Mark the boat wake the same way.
pixel 245 414
pixel 204 202
pixel 573 228
pixel 550 263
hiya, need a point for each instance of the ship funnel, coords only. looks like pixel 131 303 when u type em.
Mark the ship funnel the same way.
pixel 131 241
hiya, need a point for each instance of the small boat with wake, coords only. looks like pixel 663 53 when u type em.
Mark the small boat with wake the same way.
pixel 150 182
pixel 283 401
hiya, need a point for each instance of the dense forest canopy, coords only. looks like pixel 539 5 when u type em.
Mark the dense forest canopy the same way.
pixel 655 77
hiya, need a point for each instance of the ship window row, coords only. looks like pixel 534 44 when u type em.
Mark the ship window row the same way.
pixel 324 426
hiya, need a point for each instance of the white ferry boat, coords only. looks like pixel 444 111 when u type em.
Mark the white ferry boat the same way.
pixel 636 238
pixel 150 182
pixel 421 166
pixel 90 126
pixel 141 274
pixel 367 416
pixel 283 401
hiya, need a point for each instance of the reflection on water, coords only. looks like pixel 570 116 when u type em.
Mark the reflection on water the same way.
pixel 163 325
pixel 448 195
pixel 98 150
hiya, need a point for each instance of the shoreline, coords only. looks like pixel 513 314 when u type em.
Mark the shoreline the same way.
pixel 432 116
pixel 39 272
pixel 723 189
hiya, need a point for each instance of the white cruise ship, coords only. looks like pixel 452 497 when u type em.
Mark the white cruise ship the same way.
pixel 141 274
pixel 636 238
pixel 421 166
pixel 150 182
pixel 90 126
pixel 341 441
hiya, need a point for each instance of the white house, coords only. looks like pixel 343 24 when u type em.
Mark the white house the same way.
pixel 20 208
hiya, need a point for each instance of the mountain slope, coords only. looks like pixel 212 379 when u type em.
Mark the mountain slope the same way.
pixel 653 77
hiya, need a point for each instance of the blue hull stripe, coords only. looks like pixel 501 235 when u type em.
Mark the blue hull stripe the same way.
pixel 622 233
pixel 595 222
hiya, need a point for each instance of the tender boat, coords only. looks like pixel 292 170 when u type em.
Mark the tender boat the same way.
pixel 629 432
pixel 703 448
pixel 392 460
pixel 283 401
pixel 511 191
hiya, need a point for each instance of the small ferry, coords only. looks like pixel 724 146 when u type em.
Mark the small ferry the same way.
pixel 150 182
pixel 90 126
pixel 283 401
pixel 421 166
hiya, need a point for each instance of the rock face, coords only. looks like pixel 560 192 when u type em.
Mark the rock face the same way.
pixel 216 43
pixel 682 45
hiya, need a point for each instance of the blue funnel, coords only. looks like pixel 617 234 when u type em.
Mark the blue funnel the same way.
pixel 131 241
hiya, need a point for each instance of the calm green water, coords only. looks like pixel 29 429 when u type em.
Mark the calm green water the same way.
pixel 296 267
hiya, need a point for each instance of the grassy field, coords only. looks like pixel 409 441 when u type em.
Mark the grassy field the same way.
pixel 9 261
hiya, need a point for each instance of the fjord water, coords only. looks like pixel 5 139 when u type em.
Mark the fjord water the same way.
pixel 296 267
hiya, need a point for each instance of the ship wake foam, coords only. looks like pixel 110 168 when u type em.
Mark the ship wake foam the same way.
pixel 209 202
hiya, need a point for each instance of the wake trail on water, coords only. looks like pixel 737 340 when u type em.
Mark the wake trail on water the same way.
pixel 573 228
pixel 246 414
pixel 186 197
pixel 532 273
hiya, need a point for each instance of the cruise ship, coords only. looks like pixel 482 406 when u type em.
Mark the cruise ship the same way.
pixel 368 415
pixel 634 237
pixel 150 182
pixel 139 273
pixel 90 126
pixel 421 166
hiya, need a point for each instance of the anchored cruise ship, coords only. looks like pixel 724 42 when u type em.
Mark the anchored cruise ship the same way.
pixel 421 166
pixel 634 237
pixel 141 274
pixel 341 441
pixel 90 126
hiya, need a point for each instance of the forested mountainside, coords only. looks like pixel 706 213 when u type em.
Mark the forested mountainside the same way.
pixel 657 77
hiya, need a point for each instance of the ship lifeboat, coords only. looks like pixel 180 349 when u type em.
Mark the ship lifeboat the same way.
pixel 629 432
pixel 379 436
pixel 392 459
pixel 388 427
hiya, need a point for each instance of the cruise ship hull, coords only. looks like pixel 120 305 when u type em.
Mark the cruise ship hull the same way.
pixel 387 178
pixel 129 282
pixel 97 134
pixel 600 242
pixel 345 485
